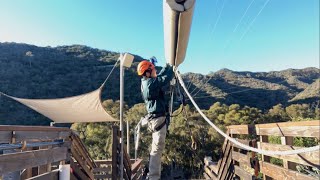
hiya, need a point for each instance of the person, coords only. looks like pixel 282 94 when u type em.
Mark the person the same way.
pixel 154 98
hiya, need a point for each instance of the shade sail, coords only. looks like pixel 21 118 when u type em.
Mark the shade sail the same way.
pixel 82 108
pixel 177 19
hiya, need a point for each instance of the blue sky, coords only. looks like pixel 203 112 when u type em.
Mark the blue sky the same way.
pixel 284 34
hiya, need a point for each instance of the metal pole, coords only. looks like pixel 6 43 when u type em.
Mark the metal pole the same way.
pixel 64 172
pixel 128 139
pixel 121 116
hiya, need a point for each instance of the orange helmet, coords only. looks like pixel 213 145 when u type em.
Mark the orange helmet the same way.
pixel 143 66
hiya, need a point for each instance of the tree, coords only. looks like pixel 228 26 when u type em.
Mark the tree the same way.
pixel 30 56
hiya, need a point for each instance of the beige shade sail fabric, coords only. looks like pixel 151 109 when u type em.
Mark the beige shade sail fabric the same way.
pixel 82 108
pixel 177 19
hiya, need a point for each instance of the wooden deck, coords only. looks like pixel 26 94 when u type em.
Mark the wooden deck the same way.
pixel 35 152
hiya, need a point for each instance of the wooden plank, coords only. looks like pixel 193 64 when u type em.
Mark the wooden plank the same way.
pixel 264 157
pixel 243 141
pixel 77 171
pixel 242 173
pixel 73 177
pixel 212 165
pixel 81 155
pixel 224 158
pixel 241 129
pixel 310 159
pixel 206 176
pixel 102 176
pixel 137 174
pixel 81 162
pixel 102 169
pixel 28 159
pixel 40 135
pixel 210 173
pixel 226 163
pixel 226 173
pixel 288 164
pixel 5 136
pixel 47 176
pixel 115 144
pixel 294 129
pixel 221 156
pixel 225 143
pixel 230 175
pixel 103 162
pixel 31 128
pixel 278 172
pixel 127 164
pixel 136 165
pixel 241 158
pixel 315 123
pixel 83 150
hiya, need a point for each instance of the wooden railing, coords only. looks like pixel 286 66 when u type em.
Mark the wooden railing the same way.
pixel 237 163
pixel 132 169
pixel 28 151
pixel 35 152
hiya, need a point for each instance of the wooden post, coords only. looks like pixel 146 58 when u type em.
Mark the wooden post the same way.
pixel 35 170
pixel 11 175
pixel 43 168
pixel 264 157
pixel 234 149
pixel 287 164
pixel 115 157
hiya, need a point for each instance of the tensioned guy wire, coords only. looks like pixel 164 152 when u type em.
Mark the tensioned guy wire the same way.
pixel 114 66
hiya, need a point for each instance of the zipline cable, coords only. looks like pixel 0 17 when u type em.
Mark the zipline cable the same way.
pixel 249 26
pixel 215 25
pixel 234 30
pixel 234 141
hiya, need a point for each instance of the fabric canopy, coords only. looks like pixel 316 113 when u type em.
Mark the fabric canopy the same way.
pixel 177 19
pixel 82 108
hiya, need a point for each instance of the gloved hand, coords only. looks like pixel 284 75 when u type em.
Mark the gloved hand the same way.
pixel 168 65
pixel 153 60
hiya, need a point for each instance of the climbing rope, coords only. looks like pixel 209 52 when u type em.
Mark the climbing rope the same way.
pixel 234 141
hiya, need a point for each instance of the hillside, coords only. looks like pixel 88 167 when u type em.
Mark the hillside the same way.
pixel 52 72
pixel 262 90
pixel 311 92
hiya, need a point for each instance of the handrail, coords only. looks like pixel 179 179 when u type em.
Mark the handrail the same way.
pixel 32 128
pixel 54 144
pixel 246 164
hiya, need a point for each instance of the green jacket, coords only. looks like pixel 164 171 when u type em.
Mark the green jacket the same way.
pixel 152 91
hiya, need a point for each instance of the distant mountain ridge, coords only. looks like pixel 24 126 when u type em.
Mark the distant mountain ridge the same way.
pixel 52 72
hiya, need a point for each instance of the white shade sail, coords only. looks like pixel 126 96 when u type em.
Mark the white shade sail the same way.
pixel 82 108
pixel 177 19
